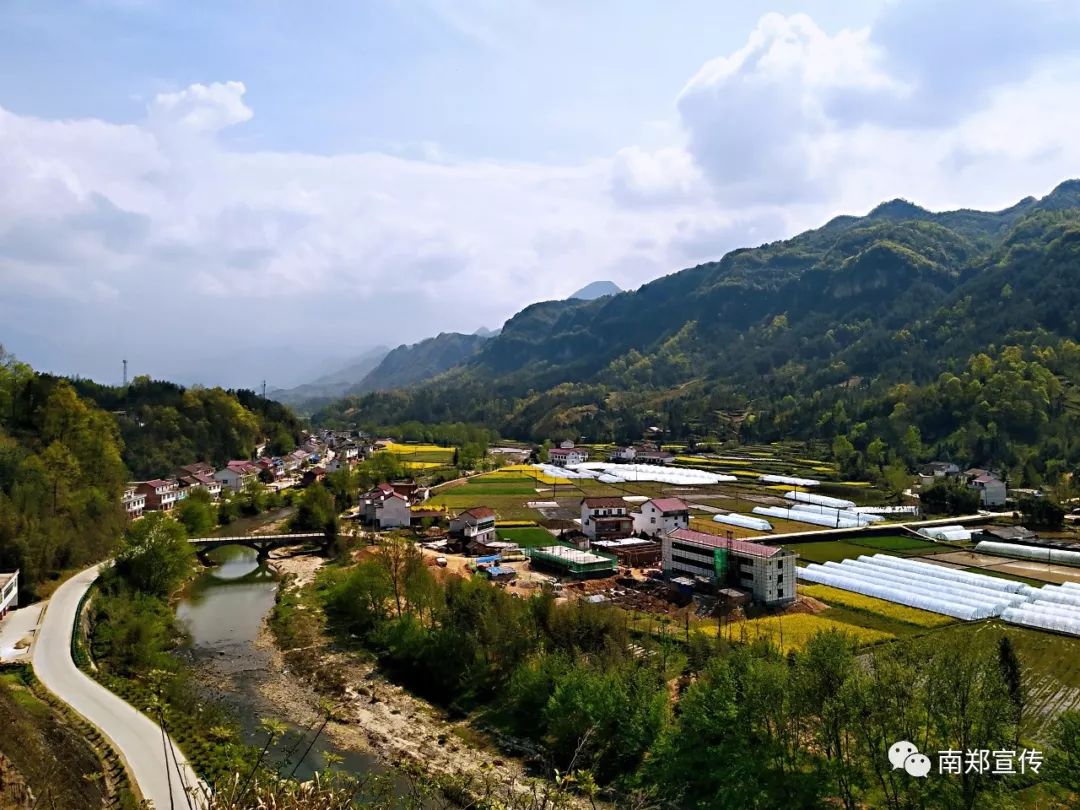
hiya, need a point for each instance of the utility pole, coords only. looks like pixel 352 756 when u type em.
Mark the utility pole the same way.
pixel 125 372
pixel 264 389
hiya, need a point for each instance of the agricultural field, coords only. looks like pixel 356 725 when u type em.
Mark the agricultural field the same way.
pixel 792 631
pixel 1050 663
pixel 878 607
pixel 839 550
pixel 415 454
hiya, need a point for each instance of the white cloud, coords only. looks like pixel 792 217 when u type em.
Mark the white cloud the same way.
pixel 116 237
pixel 201 107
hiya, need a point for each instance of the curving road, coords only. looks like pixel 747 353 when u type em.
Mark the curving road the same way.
pixel 133 734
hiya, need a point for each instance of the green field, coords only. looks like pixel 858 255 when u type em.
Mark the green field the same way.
pixel 530 537
pixel 897 543
pixel 826 550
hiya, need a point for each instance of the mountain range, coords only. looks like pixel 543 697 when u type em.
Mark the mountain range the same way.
pixel 896 297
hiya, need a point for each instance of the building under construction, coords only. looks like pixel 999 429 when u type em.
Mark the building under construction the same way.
pixel 572 562
pixel 768 572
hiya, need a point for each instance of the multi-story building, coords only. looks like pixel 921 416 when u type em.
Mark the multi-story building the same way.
pixel 606 518
pixel 564 455
pixel 474 526
pixel 161 494
pixel 237 474
pixel 134 502
pixel 768 572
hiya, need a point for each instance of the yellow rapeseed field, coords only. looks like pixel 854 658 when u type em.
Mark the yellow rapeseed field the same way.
pixel 527 471
pixel 791 632
pixel 410 449
pixel 857 601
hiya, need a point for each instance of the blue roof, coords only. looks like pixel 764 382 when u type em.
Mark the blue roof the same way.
pixel 489 559
pixel 499 571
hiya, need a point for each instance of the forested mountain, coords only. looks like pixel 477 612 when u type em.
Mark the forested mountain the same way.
pixel 410 364
pixel 844 331
pixel 163 425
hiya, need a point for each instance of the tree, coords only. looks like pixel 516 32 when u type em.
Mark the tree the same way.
pixel 197 513
pixel 155 556
pixel 316 512
pixel 1041 512
pixel 949 496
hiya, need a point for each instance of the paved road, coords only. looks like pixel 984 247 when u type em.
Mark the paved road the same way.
pixel 133 734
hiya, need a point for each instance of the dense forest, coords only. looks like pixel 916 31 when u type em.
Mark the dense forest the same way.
pixel 947 333
pixel 67 448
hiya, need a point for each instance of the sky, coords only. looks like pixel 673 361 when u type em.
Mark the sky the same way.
pixel 226 192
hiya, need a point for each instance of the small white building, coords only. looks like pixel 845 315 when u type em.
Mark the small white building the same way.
pixel 662 515
pixel 476 525
pixel 237 474
pixel 388 511
pixel 992 490
pixel 9 591
pixel 623 454
pixel 134 502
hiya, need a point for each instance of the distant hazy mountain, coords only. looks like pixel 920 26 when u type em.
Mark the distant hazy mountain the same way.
pixel 336 383
pixel 484 332
pixel 410 364
pixel 598 289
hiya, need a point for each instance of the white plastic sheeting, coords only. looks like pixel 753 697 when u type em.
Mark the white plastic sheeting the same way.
pixel 819 500
pixel 834 512
pixel 745 521
pixel 1044 618
pixel 680 476
pixel 887 510
pixel 1040 553
pixel 943 590
pixel 948 533
pixel 941 572
pixel 787 479
pixel 813 518
pixel 817 573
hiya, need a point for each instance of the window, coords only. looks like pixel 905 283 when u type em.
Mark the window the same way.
pixel 652 520
pixel 779 579
pixel 779 563
pixel 779 593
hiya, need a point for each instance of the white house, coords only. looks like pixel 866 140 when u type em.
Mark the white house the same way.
pixel 9 591
pixel 565 456
pixel 626 454
pixel 662 515
pixel 476 525
pixel 386 510
pixel 237 474
pixel 606 518
pixel 992 490
pixel 134 502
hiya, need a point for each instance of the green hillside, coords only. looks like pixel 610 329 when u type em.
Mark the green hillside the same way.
pixel 844 332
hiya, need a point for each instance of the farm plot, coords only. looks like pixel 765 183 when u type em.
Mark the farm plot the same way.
pixel 876 607
pixel 793 631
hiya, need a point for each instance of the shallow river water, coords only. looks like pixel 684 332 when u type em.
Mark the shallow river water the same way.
pixel 223 611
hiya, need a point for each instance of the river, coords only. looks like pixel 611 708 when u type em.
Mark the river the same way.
pixel 223 611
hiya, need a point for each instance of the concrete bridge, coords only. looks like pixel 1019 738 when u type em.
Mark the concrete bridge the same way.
pixel 262 543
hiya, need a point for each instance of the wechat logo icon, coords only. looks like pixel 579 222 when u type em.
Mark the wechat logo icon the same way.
pixel 904 755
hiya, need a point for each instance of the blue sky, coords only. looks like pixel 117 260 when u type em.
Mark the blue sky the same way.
pixel 230 191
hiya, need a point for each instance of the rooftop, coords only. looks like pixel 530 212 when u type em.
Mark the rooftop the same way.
pixel 670 504
pixel 715 541
pixel 604 503
pixel 572 555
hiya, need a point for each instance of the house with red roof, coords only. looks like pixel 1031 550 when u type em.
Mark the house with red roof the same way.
pixel 662 515
pixel 474 526
pixel 161 494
